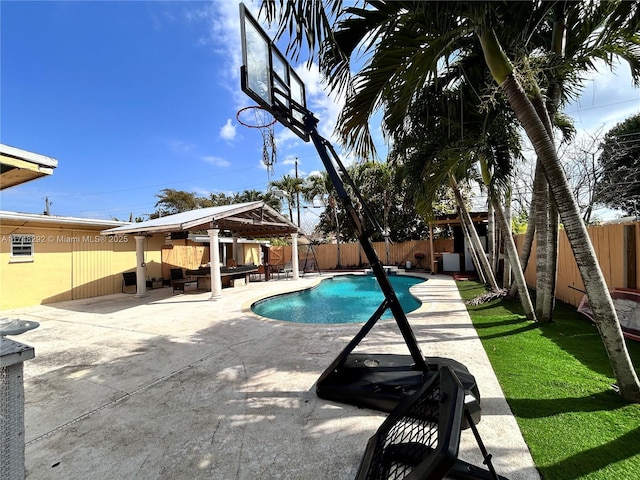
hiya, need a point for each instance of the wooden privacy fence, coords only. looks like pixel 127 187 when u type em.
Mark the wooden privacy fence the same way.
pixel 617 247
pixel 189 257
pixel 352 256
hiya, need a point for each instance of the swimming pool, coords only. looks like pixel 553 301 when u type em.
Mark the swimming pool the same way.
pixel 340 299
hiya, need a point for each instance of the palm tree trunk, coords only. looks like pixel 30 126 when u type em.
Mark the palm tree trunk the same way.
pixel 338 259
pixel 485 268
pixel 472 251
pixel 541 190
pixel 549 263
pixel 508 263
pixel 385 227
pixel 491 239
pixel 529 235
pixel 512 252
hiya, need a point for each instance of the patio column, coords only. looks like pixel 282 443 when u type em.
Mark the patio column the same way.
pixel 294 255
pixel 214 250
pixel 141 270
pixel 433 254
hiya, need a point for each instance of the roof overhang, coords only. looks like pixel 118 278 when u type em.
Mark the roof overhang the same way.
pixel 34 220
pixel 250 220
pixel 20 166
pixel 454 218
pixel 205 239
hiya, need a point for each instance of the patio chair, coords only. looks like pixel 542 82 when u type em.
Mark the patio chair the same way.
pixel 287 269
pixel 129 279
pixel 178 280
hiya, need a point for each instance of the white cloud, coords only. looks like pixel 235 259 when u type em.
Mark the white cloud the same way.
pixel 225 40
pixel 324 105
pixel 286 138
pixel 327 106
pixel 289 160
pixel 217 161
pixel 228 131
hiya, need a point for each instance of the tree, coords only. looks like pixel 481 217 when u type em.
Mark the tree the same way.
pixel 408 44
pixel 385 189
pixel 503 73
pixel 459 137
pixel 171 201
pixel 619 184
pixel 431 33
pixel 290 188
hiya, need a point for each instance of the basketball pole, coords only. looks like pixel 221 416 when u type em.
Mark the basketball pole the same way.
pixel 391 300
pixel 379 381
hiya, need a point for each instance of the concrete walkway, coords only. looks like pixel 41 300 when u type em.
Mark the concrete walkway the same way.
pixel 182 387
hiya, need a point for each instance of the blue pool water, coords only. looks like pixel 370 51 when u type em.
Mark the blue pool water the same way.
pixel 341 299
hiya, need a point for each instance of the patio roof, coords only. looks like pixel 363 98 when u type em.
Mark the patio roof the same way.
pixel 249 219
pixel 454 218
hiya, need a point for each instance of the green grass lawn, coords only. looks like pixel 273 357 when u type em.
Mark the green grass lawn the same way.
pixel 558 382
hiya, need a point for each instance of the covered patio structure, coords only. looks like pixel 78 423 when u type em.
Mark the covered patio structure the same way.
pixel 461 259
pixel 249 220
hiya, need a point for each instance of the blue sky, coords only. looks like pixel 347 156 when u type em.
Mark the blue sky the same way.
pixel 134 97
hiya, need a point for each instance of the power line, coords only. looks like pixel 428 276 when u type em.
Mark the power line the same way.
pixel 595 107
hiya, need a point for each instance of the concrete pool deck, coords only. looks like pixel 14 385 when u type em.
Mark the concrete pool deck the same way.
pixel 183 387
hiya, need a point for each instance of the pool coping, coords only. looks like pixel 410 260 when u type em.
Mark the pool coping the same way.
pixel 246 306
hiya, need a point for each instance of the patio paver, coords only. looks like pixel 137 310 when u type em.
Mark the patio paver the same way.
pixel 183 387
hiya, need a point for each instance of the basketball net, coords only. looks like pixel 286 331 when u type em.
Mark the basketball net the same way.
pixel 258 117
pixel 268 149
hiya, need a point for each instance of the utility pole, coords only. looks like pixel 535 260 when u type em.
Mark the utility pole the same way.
pixel 47 205
pixel 297 194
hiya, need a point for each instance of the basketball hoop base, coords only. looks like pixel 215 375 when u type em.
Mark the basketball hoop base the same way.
pixel 381 381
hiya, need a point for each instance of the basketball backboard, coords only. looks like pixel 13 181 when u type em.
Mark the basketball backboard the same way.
pixel 268 79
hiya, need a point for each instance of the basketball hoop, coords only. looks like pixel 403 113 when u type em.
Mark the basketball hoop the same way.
pixel 255 117
pixel 258 117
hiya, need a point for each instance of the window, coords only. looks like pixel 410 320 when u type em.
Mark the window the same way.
pixel 22 246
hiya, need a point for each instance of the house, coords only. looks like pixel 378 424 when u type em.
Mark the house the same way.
pixel 48 258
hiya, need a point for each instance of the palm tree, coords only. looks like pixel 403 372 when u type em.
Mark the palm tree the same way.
pixel 503 73
pixel 458 137
pixel 409 42
pixel 290 187
pixel 317 187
